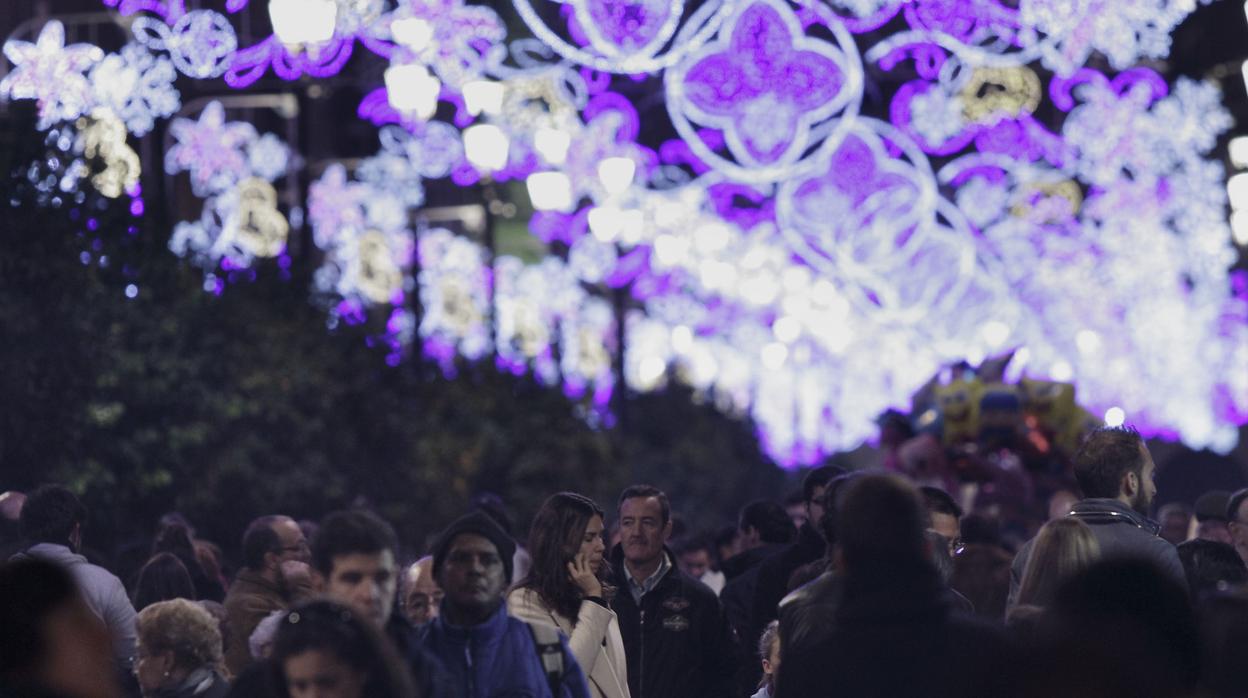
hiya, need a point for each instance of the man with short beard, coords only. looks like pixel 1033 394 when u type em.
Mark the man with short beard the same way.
pixel 1115 471
pixel 261 587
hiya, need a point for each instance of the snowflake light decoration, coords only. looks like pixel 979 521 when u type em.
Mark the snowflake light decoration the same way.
pixel 137 86
pixel 51 72
pixel 213 151
pixel 788 255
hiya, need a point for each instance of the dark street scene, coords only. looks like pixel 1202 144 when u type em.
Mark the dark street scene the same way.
pixel 623 349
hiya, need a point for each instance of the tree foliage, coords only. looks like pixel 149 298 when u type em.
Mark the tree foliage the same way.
pixel 230 406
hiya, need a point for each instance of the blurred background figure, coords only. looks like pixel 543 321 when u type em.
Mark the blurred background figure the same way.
pixel 1211 567
pixel 265 582
pixel 419 591
pixel 1176 522
pixel 1062 549
pixel 179 652
pixel 695 557
pixel 52 522
pixel 326 650
pixel 1211 518
pixel 1237 522
pixel 51 642
pixel 769 656
pixel 164 577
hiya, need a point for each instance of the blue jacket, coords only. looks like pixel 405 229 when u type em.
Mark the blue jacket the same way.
pixel 498 659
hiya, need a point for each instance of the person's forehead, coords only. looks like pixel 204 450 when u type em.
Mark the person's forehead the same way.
pixel 1241 513
pixel 472 543
pixel 595 524
pixel 364 562
pixel 641 506
pixel 288 530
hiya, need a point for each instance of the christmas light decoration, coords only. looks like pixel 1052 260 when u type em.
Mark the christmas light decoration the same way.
pixel 788 255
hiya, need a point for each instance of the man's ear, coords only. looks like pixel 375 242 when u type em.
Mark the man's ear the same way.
pixel 667 530
pixel 1130 483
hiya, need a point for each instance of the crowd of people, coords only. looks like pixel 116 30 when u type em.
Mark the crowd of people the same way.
pixel 865 584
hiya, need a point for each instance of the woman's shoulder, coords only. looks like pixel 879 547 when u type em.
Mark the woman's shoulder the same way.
pixel 524 597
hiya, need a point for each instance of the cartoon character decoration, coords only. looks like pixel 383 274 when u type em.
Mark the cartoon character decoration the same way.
pixel 958 405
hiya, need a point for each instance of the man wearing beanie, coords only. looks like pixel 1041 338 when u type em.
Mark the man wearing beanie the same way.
pixel 485 651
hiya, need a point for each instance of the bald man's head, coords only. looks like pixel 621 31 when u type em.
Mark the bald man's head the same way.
pixel 420 592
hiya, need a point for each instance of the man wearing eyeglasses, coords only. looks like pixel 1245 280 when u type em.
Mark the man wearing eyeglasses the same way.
pixel 1237 517
pixel 262 587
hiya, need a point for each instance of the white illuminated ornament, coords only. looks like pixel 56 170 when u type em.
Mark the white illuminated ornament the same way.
pixel 552 145
pixel 485 146
pixel 413 32
pixel 412 90
pixel 483 97
pixel 136 86
pixel 616 174
pixel 303 22
pixel 52 73
pixel 550 191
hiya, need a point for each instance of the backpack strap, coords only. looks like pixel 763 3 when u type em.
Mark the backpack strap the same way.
pixel 550 652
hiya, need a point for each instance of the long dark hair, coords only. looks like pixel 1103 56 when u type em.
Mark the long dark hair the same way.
pixel 164 577
pixel 330 627
pixel 554 539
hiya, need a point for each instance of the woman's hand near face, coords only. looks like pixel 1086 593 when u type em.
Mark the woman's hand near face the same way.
pixel 582 574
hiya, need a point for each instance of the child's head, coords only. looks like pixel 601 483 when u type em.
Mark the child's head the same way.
pixel 769 651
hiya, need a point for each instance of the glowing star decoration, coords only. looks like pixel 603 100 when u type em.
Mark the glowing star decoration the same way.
pixel 103 136
pixel 772 90
pixel 137 86
pixel 52 73
pixel 210 149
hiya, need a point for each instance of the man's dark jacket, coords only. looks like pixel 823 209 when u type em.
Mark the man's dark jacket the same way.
pixel 896 634
pixel 773 579
pixel 677 642
pixel 1121 532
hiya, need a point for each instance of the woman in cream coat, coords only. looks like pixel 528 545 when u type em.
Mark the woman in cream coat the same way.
pixel 565 588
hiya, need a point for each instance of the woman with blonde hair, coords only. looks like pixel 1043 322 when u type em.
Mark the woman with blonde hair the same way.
pixel 179 652
pixel 565 587
pixel 1063 548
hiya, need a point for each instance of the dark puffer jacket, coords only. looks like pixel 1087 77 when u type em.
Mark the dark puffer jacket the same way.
pixel 677 641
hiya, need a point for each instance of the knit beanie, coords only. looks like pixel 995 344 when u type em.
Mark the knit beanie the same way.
pixel 482 525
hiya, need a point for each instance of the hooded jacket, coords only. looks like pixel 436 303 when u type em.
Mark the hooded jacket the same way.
pixel 1121 532
pixel 497 658
pixel 677 642
pixel 103 591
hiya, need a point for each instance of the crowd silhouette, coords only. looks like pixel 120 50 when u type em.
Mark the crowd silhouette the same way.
pixel 868 583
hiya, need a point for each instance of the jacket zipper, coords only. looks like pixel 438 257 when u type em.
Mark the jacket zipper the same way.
pixel 641 663
pixel 472 687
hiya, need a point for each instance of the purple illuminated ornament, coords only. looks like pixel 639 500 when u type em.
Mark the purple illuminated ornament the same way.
pixel 628 27
pixel 763 84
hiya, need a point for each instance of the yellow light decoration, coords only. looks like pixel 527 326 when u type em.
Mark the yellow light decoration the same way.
pixel 262 229
pixel 103 136
pixel 458 306
pixel 378 275
pixel 993 93
pixel 1040 201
